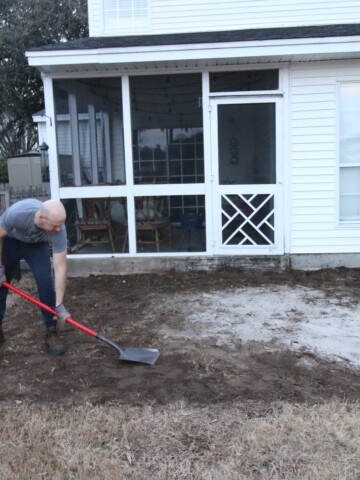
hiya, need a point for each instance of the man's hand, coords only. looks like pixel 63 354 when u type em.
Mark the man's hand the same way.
pixel 62 314
pixel 2 274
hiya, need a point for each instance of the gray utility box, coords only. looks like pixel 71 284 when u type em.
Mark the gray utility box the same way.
pixel 24 170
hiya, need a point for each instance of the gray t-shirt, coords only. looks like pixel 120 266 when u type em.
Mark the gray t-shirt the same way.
pixel 18 221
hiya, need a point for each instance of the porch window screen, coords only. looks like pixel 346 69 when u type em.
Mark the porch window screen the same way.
pixel 244 81
pixel 349 152
pixel 166 116
pixel 125 14
pixel 89 130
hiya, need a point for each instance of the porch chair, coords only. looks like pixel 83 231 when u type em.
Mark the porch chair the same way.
pixel 93 224
pixel 153 223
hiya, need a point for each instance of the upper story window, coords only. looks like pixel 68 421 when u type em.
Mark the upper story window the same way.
pixel 126 15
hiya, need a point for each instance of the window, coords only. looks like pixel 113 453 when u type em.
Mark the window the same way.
pixel 125 14
pixel 244 81
pixel 349 152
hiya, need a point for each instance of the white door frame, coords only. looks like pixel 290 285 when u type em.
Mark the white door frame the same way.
pixel 274 191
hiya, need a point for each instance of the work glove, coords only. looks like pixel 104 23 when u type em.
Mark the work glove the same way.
pixel 2 274
pixel 62 315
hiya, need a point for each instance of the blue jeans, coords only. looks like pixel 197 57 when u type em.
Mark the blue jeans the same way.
pixel 37 256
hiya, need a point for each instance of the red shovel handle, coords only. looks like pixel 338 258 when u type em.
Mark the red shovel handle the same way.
pixel 47 308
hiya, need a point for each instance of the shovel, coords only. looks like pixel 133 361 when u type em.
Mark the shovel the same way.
pixel 138 355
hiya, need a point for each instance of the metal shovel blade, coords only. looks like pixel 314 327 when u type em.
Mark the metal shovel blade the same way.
pixel 141 355
pixel 133 354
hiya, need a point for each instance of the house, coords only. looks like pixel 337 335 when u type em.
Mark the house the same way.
pixel 237 120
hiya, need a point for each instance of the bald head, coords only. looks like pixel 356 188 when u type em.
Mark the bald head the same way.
pixel 54 212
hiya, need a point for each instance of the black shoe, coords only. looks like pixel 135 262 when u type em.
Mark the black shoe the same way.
pixel 2 336
pixel 53 343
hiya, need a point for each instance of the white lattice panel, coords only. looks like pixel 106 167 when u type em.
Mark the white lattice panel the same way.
pixel 248 219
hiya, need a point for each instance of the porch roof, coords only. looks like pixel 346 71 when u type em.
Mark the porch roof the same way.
pixel 199 49
pixel 260 34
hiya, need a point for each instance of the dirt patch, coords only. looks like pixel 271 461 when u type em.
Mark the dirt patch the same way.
pixel 140 311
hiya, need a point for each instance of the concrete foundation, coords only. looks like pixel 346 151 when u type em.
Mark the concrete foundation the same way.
pixel 80 267
pixel 83 267
pixel 325 260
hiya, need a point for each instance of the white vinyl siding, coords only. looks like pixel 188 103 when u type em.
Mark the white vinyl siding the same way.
pixel 314 173
pixel 96 19
pixel 42 134
pixel 176 16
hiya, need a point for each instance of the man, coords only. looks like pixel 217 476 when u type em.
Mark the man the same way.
pixel 26 229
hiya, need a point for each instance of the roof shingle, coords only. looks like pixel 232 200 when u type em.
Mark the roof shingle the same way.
pixel 260 34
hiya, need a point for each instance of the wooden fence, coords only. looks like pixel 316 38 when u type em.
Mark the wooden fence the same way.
pixel 10 195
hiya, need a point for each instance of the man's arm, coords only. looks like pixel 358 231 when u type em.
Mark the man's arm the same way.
pixel 3 234
pixel 59 263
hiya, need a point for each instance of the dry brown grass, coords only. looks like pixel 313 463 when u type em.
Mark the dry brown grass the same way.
pixel 180 441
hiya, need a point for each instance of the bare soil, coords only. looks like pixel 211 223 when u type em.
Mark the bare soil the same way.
pixel 126 309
